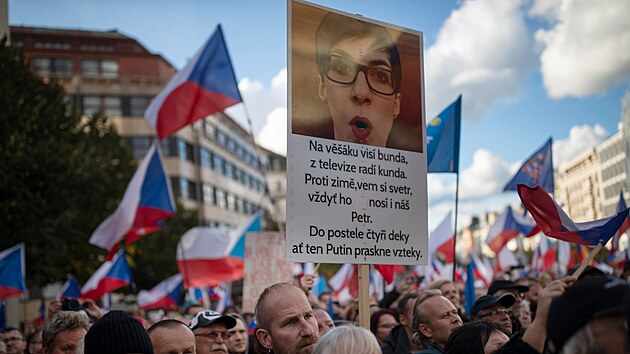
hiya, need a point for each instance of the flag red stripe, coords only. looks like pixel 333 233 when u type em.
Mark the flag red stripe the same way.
pixel 186 104
pixel 209 272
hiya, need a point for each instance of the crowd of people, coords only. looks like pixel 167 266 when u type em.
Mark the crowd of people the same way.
pixel 573 315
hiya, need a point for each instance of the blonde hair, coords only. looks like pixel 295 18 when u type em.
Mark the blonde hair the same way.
pixel 347 340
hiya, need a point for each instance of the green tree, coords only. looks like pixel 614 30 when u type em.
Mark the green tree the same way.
pixel 60 175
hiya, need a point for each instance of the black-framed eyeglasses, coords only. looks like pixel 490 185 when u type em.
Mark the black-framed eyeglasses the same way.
pixel 345 71
pixel 214 335
pixel 495 312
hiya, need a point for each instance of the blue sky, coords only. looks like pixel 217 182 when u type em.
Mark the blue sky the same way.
pixel 527 69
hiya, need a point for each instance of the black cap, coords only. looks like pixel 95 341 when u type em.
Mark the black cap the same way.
pixel 117 333
pixel 507 300
pixel 506 284
pixel 589 271
pixel 209 317
pixel 589 298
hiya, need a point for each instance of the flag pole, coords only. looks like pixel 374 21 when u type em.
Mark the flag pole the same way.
pixel 455 229
pixel 588 260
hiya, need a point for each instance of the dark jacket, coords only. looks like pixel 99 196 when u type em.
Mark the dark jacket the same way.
pixel 396 342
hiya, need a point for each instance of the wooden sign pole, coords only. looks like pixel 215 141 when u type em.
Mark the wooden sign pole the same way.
pixel 364 296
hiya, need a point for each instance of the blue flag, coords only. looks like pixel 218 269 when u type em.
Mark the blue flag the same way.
pixel 537 169
pixel 443 133
pixel 470 286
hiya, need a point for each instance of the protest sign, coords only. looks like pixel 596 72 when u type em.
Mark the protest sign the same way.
pixel 356 174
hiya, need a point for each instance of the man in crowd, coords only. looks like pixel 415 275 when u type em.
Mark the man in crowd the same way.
pixel 590 317
pixel 450 291
pixel 172 337
pixel 399 339
pixel 324 322
pixel 434 318
pixel 495 309
pixel 238 336
pixel 211 331
pixel 500 287
pixel 63 332
pixel 285 320
pixel 14 339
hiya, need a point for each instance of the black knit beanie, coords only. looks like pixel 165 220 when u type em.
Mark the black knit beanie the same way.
pixel 117 333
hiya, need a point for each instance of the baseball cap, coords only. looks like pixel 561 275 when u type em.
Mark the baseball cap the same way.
pixel 209 317
pixel 506 284
pixel 589 298
pixel 486 301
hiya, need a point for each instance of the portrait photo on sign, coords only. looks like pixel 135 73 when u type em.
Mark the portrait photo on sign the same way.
pixel 355 80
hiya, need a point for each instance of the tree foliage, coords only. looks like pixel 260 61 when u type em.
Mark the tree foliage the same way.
pixel 60 175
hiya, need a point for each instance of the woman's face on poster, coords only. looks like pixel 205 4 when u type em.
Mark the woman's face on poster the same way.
pixel 359 91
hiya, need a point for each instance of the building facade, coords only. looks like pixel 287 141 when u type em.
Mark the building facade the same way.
pixel 578 187
pixel 213 165
pixel 614 174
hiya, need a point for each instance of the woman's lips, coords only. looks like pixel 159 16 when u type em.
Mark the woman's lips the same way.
pixel 361 128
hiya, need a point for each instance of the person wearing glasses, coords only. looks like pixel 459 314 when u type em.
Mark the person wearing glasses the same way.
pixel 495 309
pixel 14 340
pixel 381 324
pixel 359 78
pixel 211 331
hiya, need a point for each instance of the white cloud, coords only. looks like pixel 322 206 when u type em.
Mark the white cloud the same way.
pixel 483 51
pixel 546 9
pixel 581 138
pixel 588 48
pixel 260 100
pixel 440 189
pixel 487 175
pixel 273 135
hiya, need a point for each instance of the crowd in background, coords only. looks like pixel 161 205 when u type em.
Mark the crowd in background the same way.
pixel 587 314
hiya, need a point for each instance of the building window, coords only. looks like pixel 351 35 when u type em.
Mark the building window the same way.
pixel 219 166
pixel 231 202
pixel 97 47
pixel 137 106
pixel 91 105
pixel 139 145
pixel 52 45
pixel 209 130
pixel 52 66
pixel 221 199
pixel 107 69
pixel 206 158
pixel 208 194
pixel 112 106
pixel 169 146
pixel 221 138
pixel 229 170
pixel 237 174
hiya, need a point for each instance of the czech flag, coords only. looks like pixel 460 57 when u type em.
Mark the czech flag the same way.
pixel 544 255
pixel 507 226
pixel 206 85
pixel 210 256
pixel 148 200
pixel 537 169
pixel 110 276
pixel 165 295
pixel 481 271
pixel 554 222
pixel 442 240
pixel 12 272
pixel 345 283
pixel 506 260
pixel 70 289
